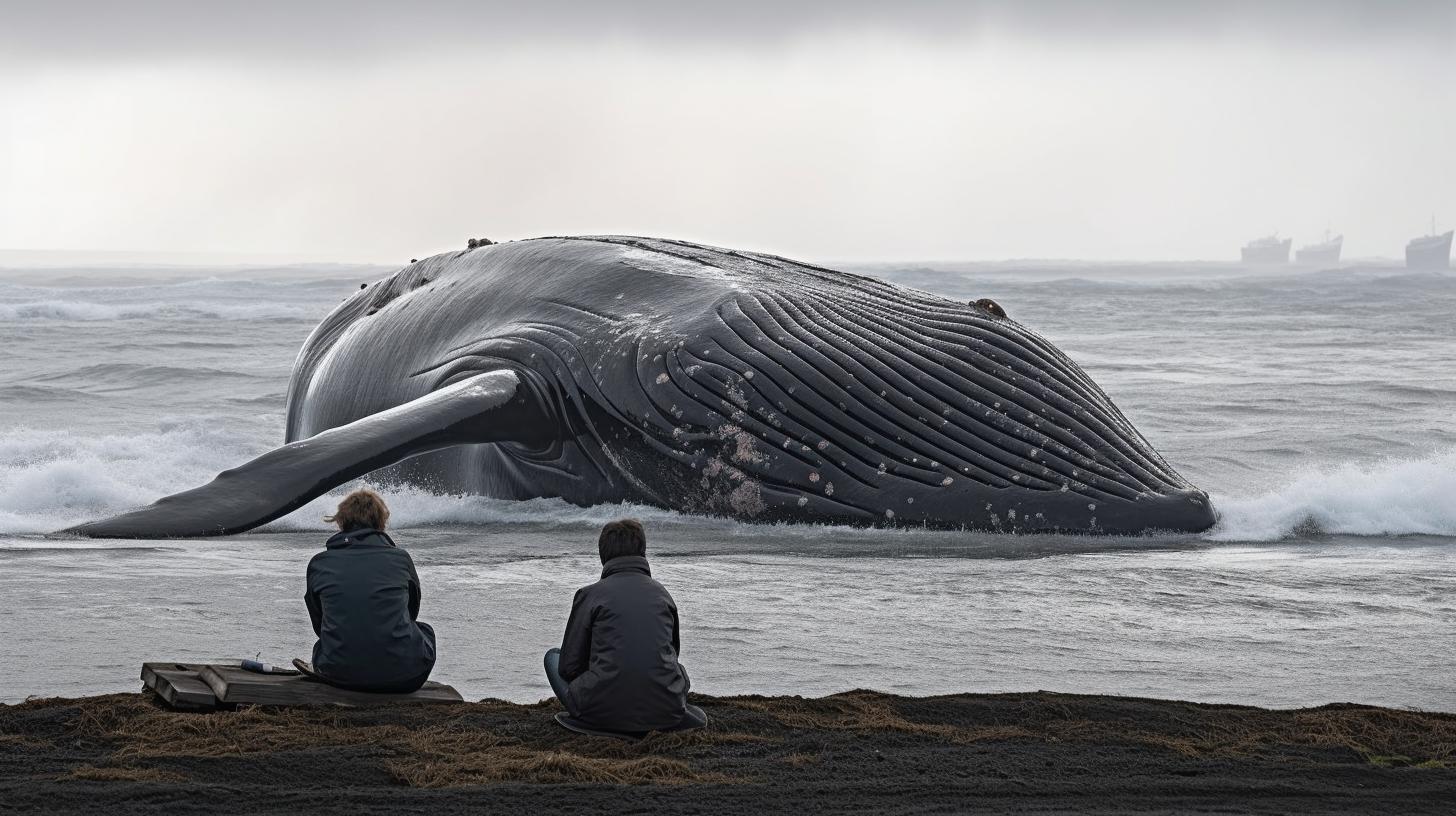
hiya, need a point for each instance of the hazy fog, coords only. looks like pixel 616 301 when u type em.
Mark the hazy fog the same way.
pixel 836 131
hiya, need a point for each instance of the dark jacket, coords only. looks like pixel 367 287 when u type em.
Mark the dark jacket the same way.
pixel 619 655
pixel 364 596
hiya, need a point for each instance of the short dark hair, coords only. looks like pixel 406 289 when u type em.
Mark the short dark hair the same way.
pixel 622 537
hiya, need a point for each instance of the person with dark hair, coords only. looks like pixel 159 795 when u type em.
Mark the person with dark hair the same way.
pixel 364 598
pixel 617 669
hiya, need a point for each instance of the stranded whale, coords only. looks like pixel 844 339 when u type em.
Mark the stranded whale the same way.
pixel 704 380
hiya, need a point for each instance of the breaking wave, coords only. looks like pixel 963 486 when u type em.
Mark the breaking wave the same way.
pixel 51 479
pixel 1384 498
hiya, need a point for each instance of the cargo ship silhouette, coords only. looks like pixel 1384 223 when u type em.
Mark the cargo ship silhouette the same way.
pixel 1324 252
pixel 1429 251
pixel 1270 250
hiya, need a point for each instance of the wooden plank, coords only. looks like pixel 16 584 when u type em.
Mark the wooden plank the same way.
pixel 186 690
pixel 180 685
pixel 232 685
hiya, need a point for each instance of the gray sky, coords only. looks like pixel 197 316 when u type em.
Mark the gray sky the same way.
pixel 380 131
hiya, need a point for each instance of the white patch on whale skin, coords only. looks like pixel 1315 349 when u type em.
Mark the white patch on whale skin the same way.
pixel 744 498
pixel 661 263
pixel 747 498
pixel 744 444
pixel 736 396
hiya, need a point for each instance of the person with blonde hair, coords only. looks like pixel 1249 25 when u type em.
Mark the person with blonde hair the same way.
pixel 364 598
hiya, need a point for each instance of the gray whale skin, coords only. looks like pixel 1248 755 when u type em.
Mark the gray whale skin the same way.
pixel 703 380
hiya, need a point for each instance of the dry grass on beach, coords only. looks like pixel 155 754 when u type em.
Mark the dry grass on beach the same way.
pixel 441 746
pixel 881 753
pixel 436 747
pixel 446 746
pixel 1381 735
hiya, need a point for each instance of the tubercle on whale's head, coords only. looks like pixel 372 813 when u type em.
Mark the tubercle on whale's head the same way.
pixel 990 306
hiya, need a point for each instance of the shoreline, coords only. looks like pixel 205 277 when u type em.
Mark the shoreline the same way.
pixel 859 751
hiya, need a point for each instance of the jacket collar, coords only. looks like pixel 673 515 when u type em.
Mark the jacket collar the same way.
pixel 362 537
pixel 626 563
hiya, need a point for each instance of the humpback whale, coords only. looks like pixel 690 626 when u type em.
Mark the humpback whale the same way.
pixel 604 369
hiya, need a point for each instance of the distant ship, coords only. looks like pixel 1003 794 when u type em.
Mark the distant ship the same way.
pixel 1268 250
pixel 1325 252
pixel 1429 251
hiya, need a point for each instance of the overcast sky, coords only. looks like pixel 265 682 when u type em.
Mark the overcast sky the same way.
pixel 836 131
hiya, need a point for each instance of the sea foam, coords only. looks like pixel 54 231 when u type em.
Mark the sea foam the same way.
pixel 51 479
pixel 1387 497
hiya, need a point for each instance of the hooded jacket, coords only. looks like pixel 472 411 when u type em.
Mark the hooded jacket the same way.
pixel 364 596
pixel 619 654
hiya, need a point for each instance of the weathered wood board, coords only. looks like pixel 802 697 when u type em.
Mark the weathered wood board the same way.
pixel 180 685
pixel 204 687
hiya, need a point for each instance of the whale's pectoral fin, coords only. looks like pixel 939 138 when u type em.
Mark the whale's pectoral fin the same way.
pixel 490 407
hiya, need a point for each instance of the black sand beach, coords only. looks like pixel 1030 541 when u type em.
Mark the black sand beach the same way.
pixel 858 752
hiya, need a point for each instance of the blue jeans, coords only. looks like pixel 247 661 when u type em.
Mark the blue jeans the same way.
pixel 553 675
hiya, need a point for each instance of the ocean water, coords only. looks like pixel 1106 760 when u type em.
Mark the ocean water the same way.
pixel 1316 407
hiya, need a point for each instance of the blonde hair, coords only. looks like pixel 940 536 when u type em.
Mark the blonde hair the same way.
pixel 362 508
